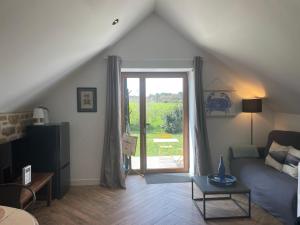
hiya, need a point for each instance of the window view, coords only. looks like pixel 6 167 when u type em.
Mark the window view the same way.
pixel 133 93
pixel 164 116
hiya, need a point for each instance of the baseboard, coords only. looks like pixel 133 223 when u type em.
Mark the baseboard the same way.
pixel 82 182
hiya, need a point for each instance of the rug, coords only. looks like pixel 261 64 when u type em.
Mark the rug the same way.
pixel 160 178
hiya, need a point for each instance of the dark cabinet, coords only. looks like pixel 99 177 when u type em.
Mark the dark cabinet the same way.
pixel 49 151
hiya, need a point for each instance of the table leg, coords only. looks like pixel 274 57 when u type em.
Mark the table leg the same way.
pixel 49 194
pixel 247 214
pixel 204 209
pixel 192 189
pixel 249 200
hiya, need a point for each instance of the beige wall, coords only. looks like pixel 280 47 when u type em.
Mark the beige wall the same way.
pixel 153 44
pixel 285 121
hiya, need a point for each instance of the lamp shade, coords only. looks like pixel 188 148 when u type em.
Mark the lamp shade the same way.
pixel 38 113
pixel 38 116
pixel 252 105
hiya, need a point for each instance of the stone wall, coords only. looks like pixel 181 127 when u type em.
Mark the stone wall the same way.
pixel 12 125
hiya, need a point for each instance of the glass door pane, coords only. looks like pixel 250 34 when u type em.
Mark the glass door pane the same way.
pixel 164 123
pixel 133 125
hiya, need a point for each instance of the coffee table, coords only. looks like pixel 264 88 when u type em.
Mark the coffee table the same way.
pixel 208 189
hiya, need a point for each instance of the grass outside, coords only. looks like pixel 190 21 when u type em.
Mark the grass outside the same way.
pixel 159 149
pixel 156 112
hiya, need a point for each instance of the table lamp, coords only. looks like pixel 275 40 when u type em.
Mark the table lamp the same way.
pixel 38 116
pixel 252 106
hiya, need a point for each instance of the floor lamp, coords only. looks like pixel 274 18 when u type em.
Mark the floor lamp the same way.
pixel 252 106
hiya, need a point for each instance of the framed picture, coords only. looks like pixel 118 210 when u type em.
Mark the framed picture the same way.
pixel 220 103
pixel 87 99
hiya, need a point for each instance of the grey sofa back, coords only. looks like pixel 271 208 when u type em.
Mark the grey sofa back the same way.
pixel 286 138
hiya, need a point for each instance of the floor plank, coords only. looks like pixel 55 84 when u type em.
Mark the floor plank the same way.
pixel 139 204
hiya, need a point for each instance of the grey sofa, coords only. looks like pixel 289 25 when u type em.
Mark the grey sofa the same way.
pixel 274 191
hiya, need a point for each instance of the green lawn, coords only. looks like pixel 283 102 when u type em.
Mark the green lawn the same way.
pixel 156 112
pixel 153 149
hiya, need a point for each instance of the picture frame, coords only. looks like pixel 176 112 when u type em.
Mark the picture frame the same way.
pixel 220 103
pixel 86 99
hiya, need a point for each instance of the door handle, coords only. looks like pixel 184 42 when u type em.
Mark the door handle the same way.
pixel 145 128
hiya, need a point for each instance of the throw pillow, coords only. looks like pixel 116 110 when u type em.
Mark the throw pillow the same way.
pixel 292 159
pixel 276 156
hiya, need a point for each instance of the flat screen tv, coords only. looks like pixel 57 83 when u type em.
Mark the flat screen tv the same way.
pixel 12 159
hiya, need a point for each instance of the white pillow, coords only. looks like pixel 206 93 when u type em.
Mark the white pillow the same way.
pixel 292 160
pixel 277 155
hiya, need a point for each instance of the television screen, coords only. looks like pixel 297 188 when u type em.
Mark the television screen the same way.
pixel 19 151
pixel 5 163
pixel 12 159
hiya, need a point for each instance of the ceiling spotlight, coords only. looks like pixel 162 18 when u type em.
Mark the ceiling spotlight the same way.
pixel 115 21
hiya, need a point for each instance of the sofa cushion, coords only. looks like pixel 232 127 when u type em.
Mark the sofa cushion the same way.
pixel 292 160
pixel 276 156
pixel 274 191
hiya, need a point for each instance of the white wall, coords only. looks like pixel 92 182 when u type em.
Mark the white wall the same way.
pixel 86 129
pixel 285 121
pixel 152 44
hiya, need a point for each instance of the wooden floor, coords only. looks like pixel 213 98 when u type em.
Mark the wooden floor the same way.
pixel 140 204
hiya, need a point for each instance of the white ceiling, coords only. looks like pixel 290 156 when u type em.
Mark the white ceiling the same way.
pixel 256 38
pixel 40 41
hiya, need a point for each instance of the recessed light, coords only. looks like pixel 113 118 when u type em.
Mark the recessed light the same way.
pixel 115 21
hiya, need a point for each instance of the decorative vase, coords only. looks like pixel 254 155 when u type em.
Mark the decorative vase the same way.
pixel 221 170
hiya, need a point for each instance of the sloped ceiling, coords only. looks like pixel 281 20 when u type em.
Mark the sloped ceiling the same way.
pixel 256 38
pixel 41 41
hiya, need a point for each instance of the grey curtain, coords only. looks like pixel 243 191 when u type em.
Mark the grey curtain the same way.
pixel 202 159
pixel 112 171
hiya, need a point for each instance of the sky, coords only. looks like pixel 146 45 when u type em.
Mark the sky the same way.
pixel 156 85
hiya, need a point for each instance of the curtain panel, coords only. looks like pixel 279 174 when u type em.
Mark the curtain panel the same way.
pixel 112 171
pixel 202 158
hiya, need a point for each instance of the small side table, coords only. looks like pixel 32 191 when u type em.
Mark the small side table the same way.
pixel 208 189
pixel 38 181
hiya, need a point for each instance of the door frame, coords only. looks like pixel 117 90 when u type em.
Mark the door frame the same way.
pixel 142 100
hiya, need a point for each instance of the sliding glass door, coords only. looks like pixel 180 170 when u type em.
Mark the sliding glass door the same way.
pixel 155 110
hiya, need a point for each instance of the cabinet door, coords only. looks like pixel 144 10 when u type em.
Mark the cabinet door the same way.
pixel 43 148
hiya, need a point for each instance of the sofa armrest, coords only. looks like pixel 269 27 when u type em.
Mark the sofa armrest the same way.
pixel 244 151
pixel 262 152
pixel 230 154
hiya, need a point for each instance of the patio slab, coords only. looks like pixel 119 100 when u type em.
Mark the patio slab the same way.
pixel 159 162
